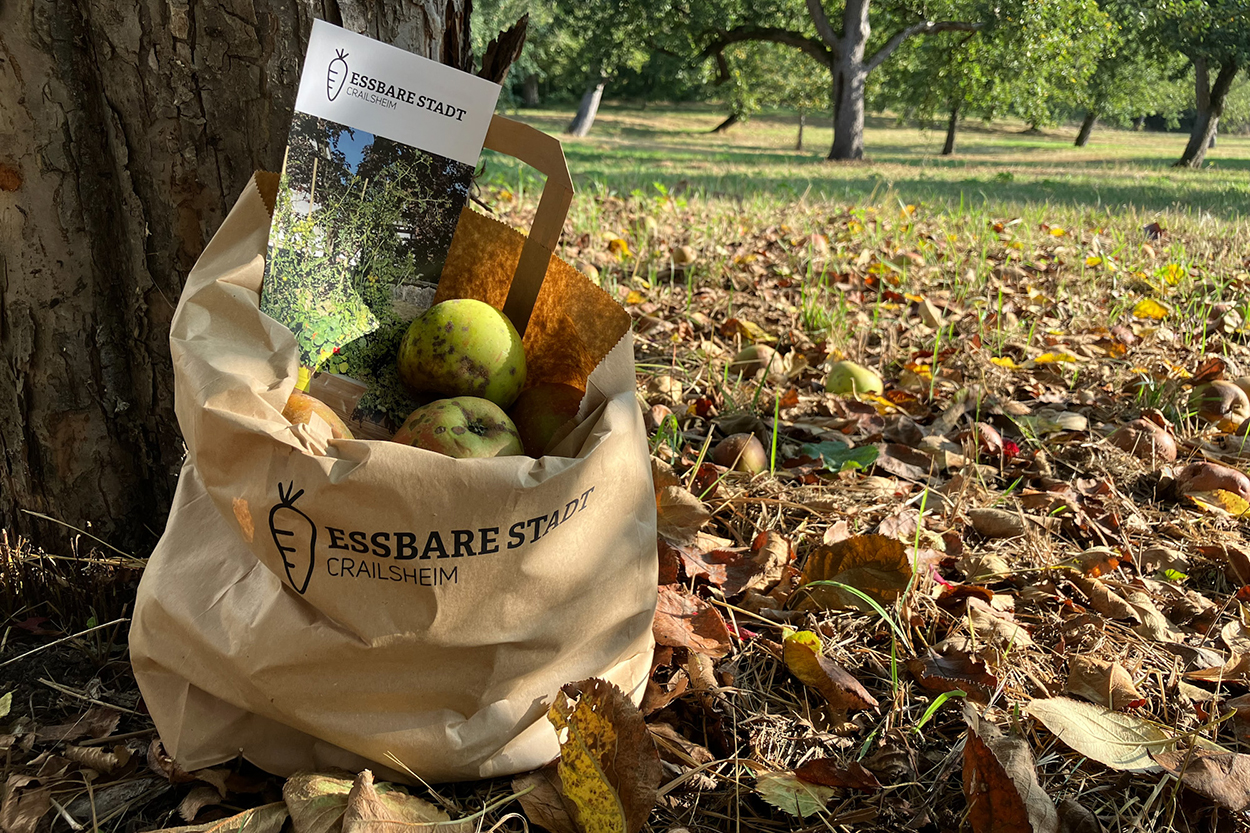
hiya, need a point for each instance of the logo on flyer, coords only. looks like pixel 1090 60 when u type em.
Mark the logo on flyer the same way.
pixel 336 75
pixel 295 536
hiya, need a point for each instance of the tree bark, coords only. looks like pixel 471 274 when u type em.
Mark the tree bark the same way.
pixel 589 107
pixel 1207 121
pixel 850 83
pixel 952 126
pixel 1139 123
pixel 724 126
pixel 127 130
pixel 529 90
pixel 1087 127
pixel 798 144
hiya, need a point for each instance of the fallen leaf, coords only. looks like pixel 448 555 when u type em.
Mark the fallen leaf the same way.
pixel 786 792
pixel 371 811
pixel 953 670
pixel 197 800
pixel 827 773
pixel 838 457
pixel 103 761
pixel 1075 818
pixel 875 565
pixel 1102 599
pixel 609 767
pixel 1222 776
pixel 1000 782
pixel 997 628
pixel 683 620
pixel 544 804
pixel 1235 670
pixel 1118 740
pixel 22 809
pixel 268 818
pixel 997 523
pixel 1151 309
pixel 6 703
pixel 679 514
pixel 1102 683
pixel 801 652
pixel 96 722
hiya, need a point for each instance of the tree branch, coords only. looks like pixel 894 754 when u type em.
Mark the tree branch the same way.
pixel 926 27
pixel 738 34
pixel 817 12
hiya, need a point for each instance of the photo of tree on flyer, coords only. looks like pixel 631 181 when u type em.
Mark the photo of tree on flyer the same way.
pixel 361 229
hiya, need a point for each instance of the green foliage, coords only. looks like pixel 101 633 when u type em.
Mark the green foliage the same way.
pixel 1217 31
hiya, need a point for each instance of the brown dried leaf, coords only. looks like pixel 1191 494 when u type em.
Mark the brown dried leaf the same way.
pixel 677 749
pixel 997 523
pixel 827 773
pixel 103 761
pixel 801 652
pixel 1235 670
pixel 369 811
pixel 679 514
pixel 1000 782
pixel 545 805
pixel 873 564
pixel 197 800
pixel 1103 600
pixel 22 809
pixel 1102 683
pixel 683 620
pixel 97 722
pixel 997 628
pixel 1074 818
pixel 954 670
pixel 609 767
pixel 163 765
pixel 1222 776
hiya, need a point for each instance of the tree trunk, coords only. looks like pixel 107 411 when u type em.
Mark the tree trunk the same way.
pixel 529 90
pixel 951 127
pixel 798 144
pixel 724 126
pixel 1139 123
pixel 1087 127
pixel 850 80
pixel 1208 116
pixel 127 132
pixel 589 107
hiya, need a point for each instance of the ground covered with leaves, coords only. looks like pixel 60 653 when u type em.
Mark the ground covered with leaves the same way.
pixel 998 579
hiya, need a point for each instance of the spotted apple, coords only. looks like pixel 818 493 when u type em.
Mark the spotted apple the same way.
pixel 462 426
pixel 463 347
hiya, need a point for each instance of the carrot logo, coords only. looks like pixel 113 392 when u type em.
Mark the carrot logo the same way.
pixel 336 75
pixel 286 523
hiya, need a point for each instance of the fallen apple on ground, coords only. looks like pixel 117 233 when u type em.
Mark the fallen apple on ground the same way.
pixel 541 411
pixel 463 426
pixel 301 406
pixel 463 347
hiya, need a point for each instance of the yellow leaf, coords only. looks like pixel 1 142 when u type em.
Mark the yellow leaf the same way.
pixel 1055 358
pixel 635 297
pixel 1093 260
pixel 854 227
pixel 619 247
pixel 915 299
pixel 909 210
pixel 1056 231
pixel 801 652
pixel 1172 273
pixel 1005 361
pixel 1016 244
pixel 883 405
pixel 1150 308
pixel 876 565
pixel 609 768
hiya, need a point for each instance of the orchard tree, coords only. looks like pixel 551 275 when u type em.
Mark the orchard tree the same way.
pixel 1022 66
pixel 128 131
pixel 1132 78
pixel 765 73
pixel 1215 36
pixel 610 36
pixel 850 39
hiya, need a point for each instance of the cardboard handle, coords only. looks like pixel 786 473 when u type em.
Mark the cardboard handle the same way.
pixel 544 154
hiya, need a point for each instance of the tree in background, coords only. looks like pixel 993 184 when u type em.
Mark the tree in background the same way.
pixel 548 45
pixel 1215 36
pixel 766 74
pixel 1132 79
pixel 610 36
pixel 1025 64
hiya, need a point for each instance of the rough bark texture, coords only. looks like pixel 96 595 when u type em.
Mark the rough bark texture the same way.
pixel 1210 108
pixel 850 83
pixel 127 130
pixel 952 128
pixel 589 107
pixel 1087 127
pixel 798 143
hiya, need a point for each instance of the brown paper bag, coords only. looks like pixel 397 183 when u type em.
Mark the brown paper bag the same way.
pixel 350 603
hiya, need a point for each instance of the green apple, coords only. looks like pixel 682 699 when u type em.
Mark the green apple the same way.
pixel 541 411
pixel 463 426
pixel 849 377
pixel 463 347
